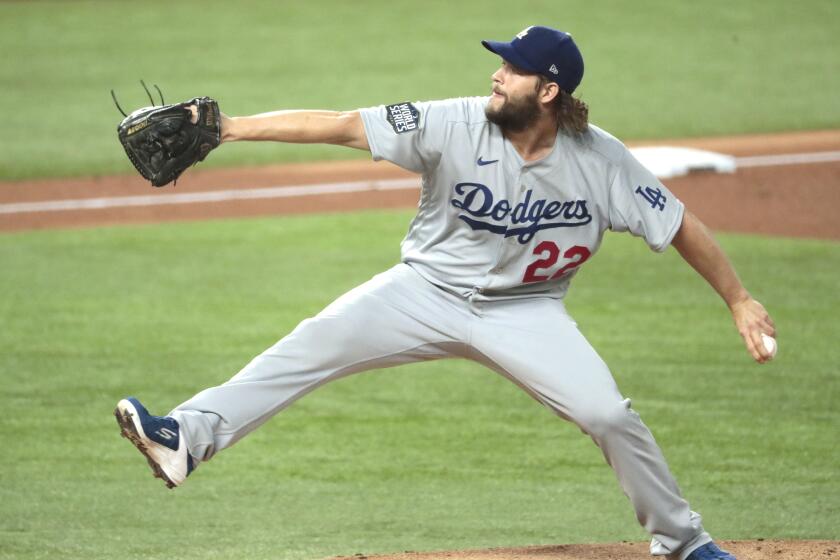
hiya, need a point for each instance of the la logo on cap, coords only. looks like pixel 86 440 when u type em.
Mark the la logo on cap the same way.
pixel 524 32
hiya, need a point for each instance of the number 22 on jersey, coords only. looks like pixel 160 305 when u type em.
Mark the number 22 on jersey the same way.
pixel 550 253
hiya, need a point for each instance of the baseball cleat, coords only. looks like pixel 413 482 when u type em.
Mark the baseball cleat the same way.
pixel 158 438
pixel 709 551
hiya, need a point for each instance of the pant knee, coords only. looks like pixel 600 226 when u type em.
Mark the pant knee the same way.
pixel 602 419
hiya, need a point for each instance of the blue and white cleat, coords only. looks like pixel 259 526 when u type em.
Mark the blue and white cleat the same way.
pixel 709 551
pixel 158 438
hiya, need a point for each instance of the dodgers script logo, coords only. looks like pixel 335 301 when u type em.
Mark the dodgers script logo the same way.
pixel 531 216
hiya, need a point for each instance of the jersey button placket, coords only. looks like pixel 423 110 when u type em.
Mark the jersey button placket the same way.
pixel 509 245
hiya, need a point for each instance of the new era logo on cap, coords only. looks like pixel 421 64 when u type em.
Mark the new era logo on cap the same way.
pixel 545 51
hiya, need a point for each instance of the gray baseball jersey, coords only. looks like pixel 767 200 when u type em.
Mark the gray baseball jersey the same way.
pixel 492 224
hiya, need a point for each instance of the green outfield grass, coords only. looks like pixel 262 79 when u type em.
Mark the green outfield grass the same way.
pixel 654 68
pixel 432 456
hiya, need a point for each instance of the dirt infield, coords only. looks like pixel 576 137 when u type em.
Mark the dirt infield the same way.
pixel 744 550
pixel 800 200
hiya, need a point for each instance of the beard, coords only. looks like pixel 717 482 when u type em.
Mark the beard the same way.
pixel 514 115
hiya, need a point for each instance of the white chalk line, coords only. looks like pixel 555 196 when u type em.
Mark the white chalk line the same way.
pixel 787 159
pixel 210 196
pixel 319 189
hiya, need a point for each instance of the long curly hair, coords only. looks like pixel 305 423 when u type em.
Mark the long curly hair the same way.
pixel 572 113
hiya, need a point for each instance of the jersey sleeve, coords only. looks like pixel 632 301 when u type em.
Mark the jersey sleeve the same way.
pixel 642 205
pixel 411 135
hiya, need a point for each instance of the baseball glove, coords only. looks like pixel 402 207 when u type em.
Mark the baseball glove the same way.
pixel 164 141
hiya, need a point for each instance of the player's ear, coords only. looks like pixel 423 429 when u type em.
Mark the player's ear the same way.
pixel 548 92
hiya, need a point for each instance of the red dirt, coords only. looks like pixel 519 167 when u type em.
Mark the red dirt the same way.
pixel 791 200
pixel 743 550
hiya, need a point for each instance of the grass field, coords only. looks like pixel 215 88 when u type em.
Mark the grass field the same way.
pixel 432 456
pixel 654 68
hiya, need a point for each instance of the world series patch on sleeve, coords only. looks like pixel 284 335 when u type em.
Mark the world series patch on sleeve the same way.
pixel 404 117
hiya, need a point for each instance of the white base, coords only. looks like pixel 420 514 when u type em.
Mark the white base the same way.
pixel 667 161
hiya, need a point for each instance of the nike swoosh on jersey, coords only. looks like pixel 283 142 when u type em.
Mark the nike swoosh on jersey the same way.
pixel 482 162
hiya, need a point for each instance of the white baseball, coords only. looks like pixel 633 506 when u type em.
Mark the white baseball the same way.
pixel 770 344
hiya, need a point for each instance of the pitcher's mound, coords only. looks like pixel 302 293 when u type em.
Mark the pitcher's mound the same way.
pixel 744 550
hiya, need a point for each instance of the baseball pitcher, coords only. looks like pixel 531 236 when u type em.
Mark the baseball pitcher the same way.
pixel 517 192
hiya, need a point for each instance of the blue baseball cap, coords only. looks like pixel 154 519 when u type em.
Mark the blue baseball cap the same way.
pixel 544 51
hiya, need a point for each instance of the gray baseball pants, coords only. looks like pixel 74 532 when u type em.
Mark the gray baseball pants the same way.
pixel 399 317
